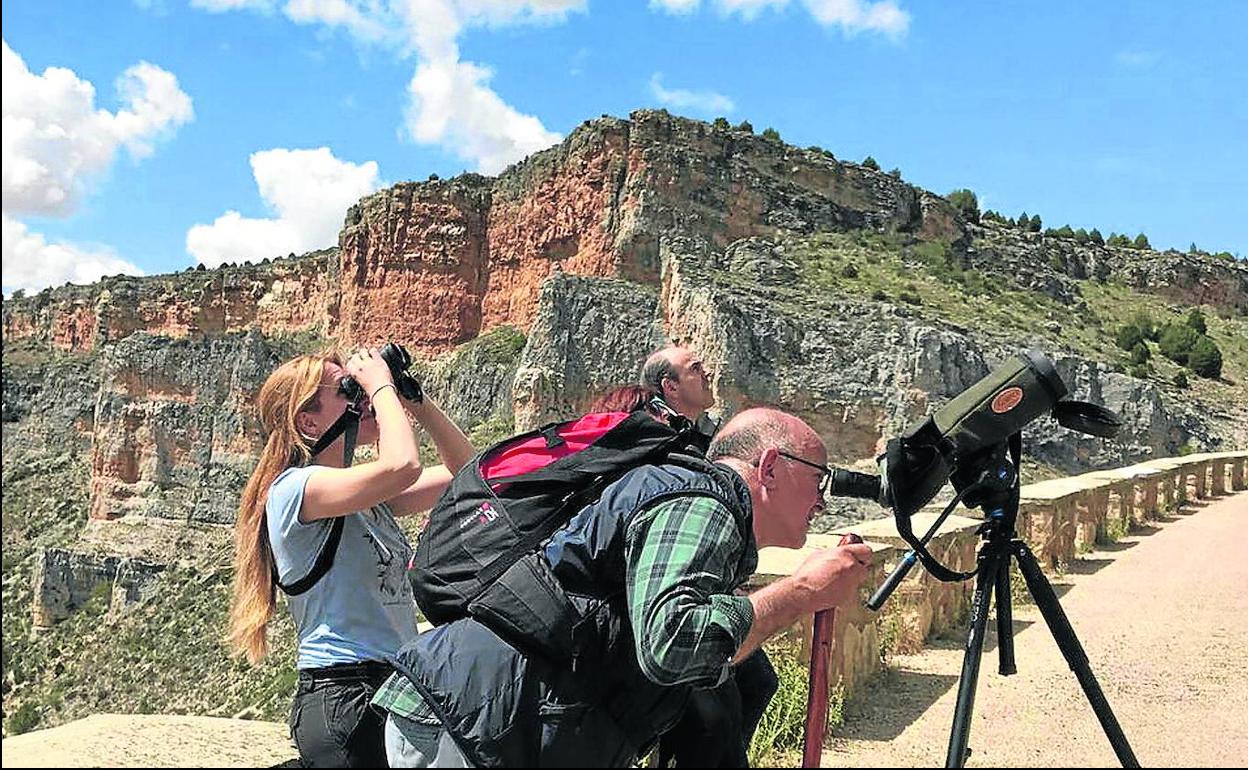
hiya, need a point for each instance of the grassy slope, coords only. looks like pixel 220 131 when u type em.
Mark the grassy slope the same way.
pixel 924 277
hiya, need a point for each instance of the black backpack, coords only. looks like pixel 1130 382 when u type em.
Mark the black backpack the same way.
pixel 479 553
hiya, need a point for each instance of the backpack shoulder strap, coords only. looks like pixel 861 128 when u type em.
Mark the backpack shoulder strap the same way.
pixel 324 560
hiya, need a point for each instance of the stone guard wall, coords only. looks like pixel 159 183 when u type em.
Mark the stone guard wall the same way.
pixel 1059 519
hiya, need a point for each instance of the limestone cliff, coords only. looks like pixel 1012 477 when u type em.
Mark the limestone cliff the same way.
pixel 840 293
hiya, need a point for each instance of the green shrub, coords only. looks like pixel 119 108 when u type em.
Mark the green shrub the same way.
pixel 24 719
pixel 1196 320
pixel 772 134
pixel 1140 242
pixel 1120 241
pixel 745 126
pixel 720 124
pixel 966 203
pixel 1177 341
pixel 1140 353
pixel 1141 371
pixel 1180 380
pixel 879 295
pixel 1035 224
pixel 910 298
pixel 1096 237
pixel 1128 336
pixel 870 163
pixel 1205 358
pixel 895 173
pixel 850 270
pixel 1143 321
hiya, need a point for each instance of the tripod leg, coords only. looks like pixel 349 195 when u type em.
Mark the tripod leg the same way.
pixel 1068 643
pixel 990 561
pixel 1005 620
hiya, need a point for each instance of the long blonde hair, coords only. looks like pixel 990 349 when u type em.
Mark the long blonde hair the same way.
pixel 289 390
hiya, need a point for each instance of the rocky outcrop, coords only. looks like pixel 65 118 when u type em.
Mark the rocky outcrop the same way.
pixel 287 295
pixel 528 294
pixel 175 435
pixel 65 580
pixel 861 371
pixel 415 264
pixel 590 336
pixel 473 383
pixel 1052 265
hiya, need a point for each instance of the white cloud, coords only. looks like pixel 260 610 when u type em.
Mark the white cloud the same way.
pixel 219 6
pixel 451 103
pixel 852 16
pixel 707 102
pixel 32 264
pixel 338 13
pixel 308 190
pixel 858 15
pixel 55 140
pixel 674 6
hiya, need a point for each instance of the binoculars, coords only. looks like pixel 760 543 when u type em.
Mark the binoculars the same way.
pixel 398 359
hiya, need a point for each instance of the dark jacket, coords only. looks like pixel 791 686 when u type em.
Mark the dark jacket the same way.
pixel 508 708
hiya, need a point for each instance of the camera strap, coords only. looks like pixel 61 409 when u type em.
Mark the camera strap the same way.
pixel 349 423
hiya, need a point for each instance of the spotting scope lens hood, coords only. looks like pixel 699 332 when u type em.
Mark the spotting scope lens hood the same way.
pixel 1092 419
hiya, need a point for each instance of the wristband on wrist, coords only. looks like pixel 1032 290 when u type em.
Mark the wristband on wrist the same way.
pixel 383 387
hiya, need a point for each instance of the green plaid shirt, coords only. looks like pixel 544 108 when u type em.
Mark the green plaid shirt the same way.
pixel 683 558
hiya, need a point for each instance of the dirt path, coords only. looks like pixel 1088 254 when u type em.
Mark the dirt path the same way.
pixel 1163 616
pixel 134 740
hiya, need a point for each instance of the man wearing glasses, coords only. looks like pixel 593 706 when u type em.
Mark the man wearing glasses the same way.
pixel 685 541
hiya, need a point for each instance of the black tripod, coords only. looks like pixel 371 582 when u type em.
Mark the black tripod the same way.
pixel 996 491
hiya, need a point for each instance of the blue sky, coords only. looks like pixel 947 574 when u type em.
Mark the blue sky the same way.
pixel 244 128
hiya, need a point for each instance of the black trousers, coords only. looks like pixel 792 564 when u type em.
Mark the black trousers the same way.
pixel 717 725
pixel 331 719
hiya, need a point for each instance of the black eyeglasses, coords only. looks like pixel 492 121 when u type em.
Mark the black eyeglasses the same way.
pixel 825 472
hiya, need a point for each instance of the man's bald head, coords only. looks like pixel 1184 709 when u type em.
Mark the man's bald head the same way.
pixel 783 461
pixel 678 374
pixel 748 433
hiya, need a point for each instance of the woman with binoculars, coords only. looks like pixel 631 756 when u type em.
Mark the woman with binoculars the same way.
pixel 324 531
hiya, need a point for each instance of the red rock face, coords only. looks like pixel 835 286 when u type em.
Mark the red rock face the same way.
pixel 434 265
pixel 413 267
pixel 74 329
pixel 566 215
pixel 280 297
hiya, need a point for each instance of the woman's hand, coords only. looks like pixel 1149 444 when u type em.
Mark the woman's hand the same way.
pixel 369 369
